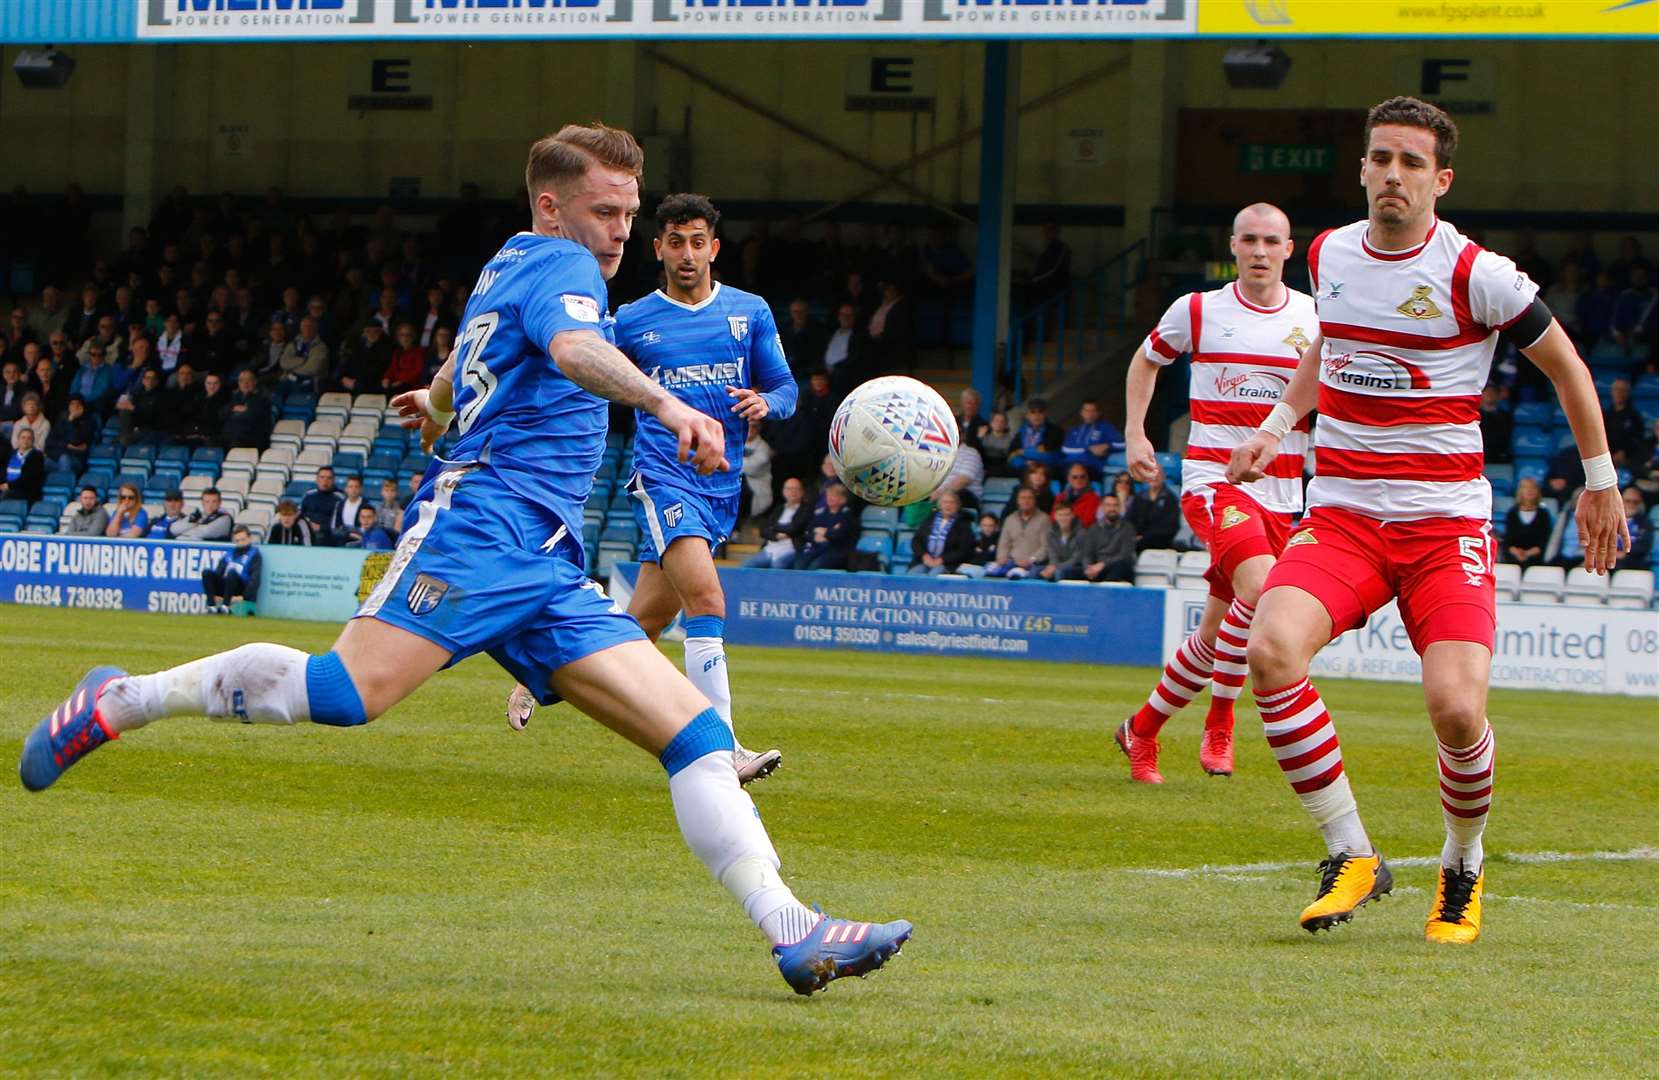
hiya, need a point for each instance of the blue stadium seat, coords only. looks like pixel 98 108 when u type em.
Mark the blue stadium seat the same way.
pixel 618 531
pixel 205 468
pixel 414 463
pixel 207 453
pixel 137 480
pixel 1532 442
pixel 141 452
pixel 1534 414
pixel 135 466
pixel 10 507
pixel 103 457
pixel 95 478
pixel 1117 462
pixel 1537 468
pixel 296 489
pixel 348 463
pixel 11 523
pixel 879 544
pixel 388 462
pixel 1172 467
pixel 180 454
pixel 1502 478
pixel 880 517
pixel 901 543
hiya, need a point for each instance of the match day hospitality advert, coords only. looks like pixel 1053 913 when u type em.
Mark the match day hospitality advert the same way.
pixel 1554 647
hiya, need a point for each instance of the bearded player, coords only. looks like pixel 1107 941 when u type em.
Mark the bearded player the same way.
pixel 490 560
pixel 1245 339
pixel 717 349
pixel 1410 312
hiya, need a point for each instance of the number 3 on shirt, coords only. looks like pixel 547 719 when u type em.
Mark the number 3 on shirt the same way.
pixel 474 374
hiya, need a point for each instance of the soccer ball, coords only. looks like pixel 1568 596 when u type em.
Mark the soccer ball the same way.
pixel 892 441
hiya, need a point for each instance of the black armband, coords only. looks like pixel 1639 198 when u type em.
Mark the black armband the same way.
pixel 1527 329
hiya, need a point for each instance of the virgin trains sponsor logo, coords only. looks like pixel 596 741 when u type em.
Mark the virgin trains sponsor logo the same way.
pixel 1261 386
pixel 1369 370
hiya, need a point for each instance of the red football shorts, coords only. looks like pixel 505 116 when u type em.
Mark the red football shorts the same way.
pixel 1234 527
pixel 1440 569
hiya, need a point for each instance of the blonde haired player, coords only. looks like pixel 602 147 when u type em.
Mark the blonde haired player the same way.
pixel 1410 313
pixel 1245 339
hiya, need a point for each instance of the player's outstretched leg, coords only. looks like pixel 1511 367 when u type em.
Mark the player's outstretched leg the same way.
pixel 258 683
pixel 1455 674
pixel 634 690
pixel 1292 626
pixel 1183 679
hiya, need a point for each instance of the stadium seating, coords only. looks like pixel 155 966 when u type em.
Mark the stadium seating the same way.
pixel 1630 589
pixel 1508 578
pixel 1542 584
pixel 1190 569
pixel 1584 589
pixel 1155 568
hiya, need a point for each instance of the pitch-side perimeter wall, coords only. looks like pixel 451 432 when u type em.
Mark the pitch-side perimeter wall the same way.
pixel 1590 650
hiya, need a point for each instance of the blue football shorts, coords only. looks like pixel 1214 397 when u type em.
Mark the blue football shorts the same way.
pixel 665 513
pixel 478 568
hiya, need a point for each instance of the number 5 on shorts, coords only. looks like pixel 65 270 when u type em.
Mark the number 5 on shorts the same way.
pixel 1477 555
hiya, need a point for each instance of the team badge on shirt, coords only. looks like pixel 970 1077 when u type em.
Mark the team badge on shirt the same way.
pixel 739 325
pixel 1233 516
pixel 580 308
pixel 1304 537
pixel 1419 306
pixel 1297 340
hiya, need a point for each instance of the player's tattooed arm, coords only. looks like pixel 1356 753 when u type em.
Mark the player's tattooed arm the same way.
pixel 600 368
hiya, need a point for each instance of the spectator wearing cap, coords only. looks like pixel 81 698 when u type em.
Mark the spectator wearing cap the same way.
pixel 130 520
pixel 72 437
pixel 210 521
pixel 236 577
pixel 289 527
pixel 172 512
pixel 24 472
pixel 1038 437
pixel 89 518
pixel 1091 440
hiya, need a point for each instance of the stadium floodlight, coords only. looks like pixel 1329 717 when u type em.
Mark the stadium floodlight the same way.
pixel 43 69
pixel 1255 67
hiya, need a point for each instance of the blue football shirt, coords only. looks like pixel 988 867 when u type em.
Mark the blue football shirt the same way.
pixel 695 351
pixel 516 412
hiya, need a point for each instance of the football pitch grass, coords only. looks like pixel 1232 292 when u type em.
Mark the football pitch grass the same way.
pixel 437 895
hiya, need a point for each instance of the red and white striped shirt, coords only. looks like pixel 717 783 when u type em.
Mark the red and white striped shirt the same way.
pixel 1242 359
pixel 1409 338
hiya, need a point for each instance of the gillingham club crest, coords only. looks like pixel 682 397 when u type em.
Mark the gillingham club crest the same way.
pixel 739 325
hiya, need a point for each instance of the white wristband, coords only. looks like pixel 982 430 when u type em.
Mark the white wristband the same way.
pixel 1279 421
pixel 1599 473
pixel 438 416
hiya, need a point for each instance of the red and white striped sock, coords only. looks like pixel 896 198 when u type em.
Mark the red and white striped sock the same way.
pixel 1184 678
pixel 1465 797
pixel 1230 669
pixel 1303 740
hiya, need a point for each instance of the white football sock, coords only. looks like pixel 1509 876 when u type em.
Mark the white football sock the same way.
pixel 258 683
pixel 723 829
pixel 705 661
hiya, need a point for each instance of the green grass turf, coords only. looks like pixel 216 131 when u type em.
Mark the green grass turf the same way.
pixel 436 895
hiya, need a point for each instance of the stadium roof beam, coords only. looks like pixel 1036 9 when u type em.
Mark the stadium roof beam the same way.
pixel 800 131
pixel 894 174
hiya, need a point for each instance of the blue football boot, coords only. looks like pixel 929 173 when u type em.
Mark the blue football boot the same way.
pixel 837 948
pixel 73 731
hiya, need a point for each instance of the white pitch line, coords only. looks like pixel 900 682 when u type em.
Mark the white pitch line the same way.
pixel 1640 854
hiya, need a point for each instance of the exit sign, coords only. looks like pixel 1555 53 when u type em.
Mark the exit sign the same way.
pixel 1286 158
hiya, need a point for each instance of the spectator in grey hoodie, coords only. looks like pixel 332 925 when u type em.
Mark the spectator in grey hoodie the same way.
pixel 1108 550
